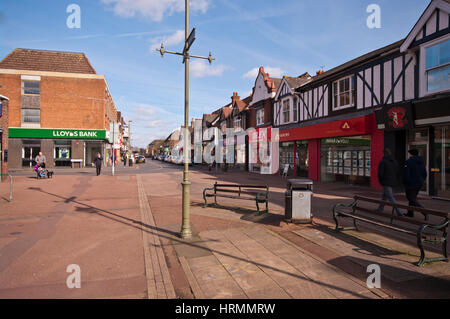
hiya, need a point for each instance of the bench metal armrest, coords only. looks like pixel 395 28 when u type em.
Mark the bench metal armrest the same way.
pixel 443 225
pixel 207 189
pixel 351 205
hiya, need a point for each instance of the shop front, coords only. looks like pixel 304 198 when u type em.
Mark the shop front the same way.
pixel 337 151
pixel 261 145
pixel 61 147
pixel 431 136
pixel 423 125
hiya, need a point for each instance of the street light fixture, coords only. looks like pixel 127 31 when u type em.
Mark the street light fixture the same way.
pixel 186 232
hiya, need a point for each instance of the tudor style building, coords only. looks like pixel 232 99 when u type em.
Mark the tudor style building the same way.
pixel 396 97
pixel 58 106
pixel 286 113
pixel 261 118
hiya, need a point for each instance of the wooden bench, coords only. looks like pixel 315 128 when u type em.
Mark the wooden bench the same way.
pixel 415 227
pixel 258 193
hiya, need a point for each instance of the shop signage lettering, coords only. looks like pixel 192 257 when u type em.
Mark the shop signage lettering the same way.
pixel 57 133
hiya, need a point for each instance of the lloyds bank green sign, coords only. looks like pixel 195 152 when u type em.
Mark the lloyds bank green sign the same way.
pixel 57 133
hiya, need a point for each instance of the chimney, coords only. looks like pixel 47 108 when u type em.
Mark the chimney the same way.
pixel 235 98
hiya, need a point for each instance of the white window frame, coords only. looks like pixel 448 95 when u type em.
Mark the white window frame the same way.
pixel 30 94
pixel 423 70
pixel 223 126
pixel 237 123
pixel 351 93
pixel 286 111
pixel 260 117
pixel 295 110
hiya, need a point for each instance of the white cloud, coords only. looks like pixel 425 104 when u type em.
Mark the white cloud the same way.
pixel 273 72
pixel 155 123
pixel 142 110
pixel 201 68
pixel 154 9
pixel 176 38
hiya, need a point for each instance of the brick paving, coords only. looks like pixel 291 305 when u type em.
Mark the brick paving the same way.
pixel 123 232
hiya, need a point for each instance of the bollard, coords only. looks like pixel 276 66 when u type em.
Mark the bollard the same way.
pixel 10 187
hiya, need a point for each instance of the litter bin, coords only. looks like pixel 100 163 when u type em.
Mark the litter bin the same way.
pixel 298 198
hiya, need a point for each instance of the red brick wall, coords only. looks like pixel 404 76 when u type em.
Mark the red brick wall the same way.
pixel 65 102
pixel 4 127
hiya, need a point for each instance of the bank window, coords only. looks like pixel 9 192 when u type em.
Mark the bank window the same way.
pixel 31 115
pixel 344 93
pixel 286 111
pixel 438 66
pixel 31 87
pixel 260 117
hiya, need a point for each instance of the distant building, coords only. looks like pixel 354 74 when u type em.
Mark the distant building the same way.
pixel 58 105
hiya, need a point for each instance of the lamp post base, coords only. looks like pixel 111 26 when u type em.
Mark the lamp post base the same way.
pixel 186 232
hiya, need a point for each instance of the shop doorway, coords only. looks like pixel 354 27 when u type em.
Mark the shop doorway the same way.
pixel 442 162
pixel 30 150
pixel 419 140
pixel 91 150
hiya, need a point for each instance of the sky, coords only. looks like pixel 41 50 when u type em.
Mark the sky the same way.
pixel 119 37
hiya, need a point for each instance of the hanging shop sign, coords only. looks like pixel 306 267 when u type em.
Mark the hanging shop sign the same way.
pixel 395 117
pixel 57 133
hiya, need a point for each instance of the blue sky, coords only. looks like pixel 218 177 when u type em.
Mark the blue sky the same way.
pixel 287 37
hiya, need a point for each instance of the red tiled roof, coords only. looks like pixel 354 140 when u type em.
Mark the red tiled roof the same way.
pixel 49 61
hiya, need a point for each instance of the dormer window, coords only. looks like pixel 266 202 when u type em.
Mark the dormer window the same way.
pixel 344 93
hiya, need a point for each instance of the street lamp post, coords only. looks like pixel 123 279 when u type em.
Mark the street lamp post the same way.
pixel 129 134
pixel 186 232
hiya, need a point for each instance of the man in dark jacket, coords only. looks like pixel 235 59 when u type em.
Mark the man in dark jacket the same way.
pixel 387 176
pixel 98 163
pixel 414 178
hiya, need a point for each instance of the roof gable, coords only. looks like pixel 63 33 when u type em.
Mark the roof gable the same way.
pixel 265 87
pixel 442 5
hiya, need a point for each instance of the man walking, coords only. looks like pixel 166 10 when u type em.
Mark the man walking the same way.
pixel 387 176
pixel 414 178
pixel 40 160
pixel 98 163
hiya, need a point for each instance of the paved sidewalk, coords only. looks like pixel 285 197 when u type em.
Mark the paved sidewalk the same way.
pixel 123 233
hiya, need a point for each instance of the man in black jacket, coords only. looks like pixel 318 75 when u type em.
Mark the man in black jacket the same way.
pixel 387 176
pixel 98 163
pixel 414 178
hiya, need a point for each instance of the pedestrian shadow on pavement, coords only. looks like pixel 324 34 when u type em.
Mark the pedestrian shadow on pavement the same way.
pixel 400 282
pixel 167 234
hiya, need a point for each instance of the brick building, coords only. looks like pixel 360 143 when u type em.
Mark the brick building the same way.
pixel 58 105
pixel 3 135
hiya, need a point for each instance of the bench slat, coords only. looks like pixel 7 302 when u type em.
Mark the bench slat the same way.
pixel 386 215
pixel 241 186
pixel 375 222
pixel 414 208
pixel 235 197
pixel 238 192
